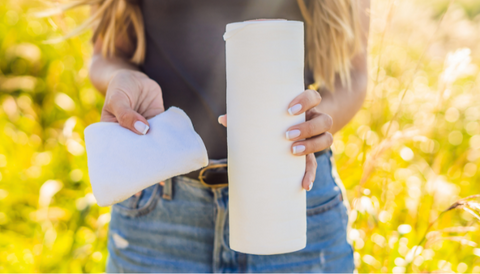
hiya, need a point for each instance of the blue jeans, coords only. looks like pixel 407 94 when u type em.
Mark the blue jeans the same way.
pixel 183 227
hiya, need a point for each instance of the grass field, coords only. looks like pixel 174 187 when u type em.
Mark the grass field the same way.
pixel 408 158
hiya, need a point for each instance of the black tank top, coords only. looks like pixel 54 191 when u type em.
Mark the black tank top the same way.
pixel 186 55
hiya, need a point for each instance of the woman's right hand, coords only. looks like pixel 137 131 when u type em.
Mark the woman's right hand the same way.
pixel 132 98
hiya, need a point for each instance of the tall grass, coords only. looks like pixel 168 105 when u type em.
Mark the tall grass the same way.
pixel 406 159
pixel 48 218
pixel 414 145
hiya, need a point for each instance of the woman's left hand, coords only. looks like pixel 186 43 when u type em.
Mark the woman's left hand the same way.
pixel 310 136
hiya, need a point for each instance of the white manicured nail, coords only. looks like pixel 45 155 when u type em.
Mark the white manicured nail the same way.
pixel 293 134
pixel 219 118
pixel 141 127
pixel 310 186
pixel 296 108
pixel 298 149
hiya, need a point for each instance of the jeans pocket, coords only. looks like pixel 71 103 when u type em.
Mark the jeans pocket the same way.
pixel 329 204
pixel 326 192
pixel 141 205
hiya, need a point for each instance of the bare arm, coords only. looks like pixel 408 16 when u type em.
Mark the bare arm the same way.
pixel 131 97
pixel 102 69
pixel 343 104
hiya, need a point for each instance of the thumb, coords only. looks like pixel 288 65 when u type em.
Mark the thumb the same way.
pixel 128 118
pixel 222 119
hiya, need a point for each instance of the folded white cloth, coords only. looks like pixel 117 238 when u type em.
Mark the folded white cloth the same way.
pixel 122 163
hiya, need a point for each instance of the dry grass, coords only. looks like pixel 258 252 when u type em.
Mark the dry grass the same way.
pixel 407 158
pixel 412 151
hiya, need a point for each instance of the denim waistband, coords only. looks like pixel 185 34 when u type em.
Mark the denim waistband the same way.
pixel 197 182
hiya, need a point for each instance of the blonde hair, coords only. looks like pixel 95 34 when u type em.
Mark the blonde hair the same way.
pixel 334 36
pixel 333 33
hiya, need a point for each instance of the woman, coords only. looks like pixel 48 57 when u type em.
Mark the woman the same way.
pixel 152 54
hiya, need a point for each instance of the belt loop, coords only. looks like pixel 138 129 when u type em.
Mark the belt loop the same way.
pixel 167 192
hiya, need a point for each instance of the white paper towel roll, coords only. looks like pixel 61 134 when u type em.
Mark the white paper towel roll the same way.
pixel 267 204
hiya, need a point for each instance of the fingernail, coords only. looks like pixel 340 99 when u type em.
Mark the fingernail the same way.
pixel 220 117
pixel 296 108
pixel 298 149
pixel 310 186
pixel 293 134
pixel 141 127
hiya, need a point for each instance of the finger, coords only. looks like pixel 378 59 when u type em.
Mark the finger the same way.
pixel 151 103
pixel 127 117
pixel 222 119
pixel 317 125
pixel 312 145
pixel 310 172
pixel 107 116
pixel 303 102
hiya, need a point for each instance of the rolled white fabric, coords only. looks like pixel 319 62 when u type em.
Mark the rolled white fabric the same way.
pixel 122 163
pixel 267 204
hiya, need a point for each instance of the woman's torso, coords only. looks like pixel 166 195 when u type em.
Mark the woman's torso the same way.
pixel 186 55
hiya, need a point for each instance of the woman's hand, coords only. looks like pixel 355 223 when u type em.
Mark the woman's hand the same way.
pixel 310 136
pixel 131 99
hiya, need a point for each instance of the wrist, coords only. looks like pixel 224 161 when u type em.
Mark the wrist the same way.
pixel 125 73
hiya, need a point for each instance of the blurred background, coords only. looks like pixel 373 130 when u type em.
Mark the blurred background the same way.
pixel 409 159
